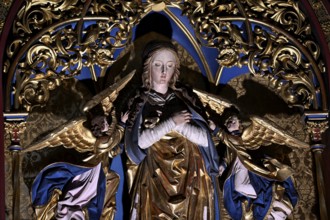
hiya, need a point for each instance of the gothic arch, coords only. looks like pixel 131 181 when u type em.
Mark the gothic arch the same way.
pixel 47 43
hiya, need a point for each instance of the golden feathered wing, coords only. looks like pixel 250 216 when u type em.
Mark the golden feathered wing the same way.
pixel 216 103
pixel 261 132
pixel 74 134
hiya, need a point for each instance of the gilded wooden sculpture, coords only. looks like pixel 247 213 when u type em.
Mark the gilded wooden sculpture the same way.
pixel 58 55
pixel 62 200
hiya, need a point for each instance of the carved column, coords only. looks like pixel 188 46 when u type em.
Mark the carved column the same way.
pixel 317 123
pixel 14 127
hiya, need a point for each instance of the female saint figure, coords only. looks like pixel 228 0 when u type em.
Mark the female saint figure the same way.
pixel 172 160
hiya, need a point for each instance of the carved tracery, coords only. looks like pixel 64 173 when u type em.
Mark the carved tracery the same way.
pixel 55 40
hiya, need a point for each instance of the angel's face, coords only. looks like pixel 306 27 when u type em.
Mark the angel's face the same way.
pixel 100 123
pixel 105 125
pixel 162 68
pixel 233 124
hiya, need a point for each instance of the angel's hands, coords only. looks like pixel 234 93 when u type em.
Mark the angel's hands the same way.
pixel 182 117
pixel 211 125
pixel 124 117
pixel 221 169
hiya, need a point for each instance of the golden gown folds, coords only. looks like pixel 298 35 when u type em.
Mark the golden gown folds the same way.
pixel 172 179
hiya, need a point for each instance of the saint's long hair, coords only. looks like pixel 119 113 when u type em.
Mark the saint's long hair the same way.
pixel 135 104
pixel 149 53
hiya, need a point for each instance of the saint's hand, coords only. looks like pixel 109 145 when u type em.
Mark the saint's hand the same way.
pixel 181 117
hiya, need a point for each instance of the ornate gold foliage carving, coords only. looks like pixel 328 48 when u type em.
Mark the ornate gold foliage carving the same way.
pixel 56 40
pixel 274 38
pixel 61 38
pixel 35 15
pixel 37 91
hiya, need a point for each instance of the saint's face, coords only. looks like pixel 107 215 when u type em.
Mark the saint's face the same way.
pixel 162 68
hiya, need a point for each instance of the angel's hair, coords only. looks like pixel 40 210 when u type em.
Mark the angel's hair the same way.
pixel 97 124
pixel 228 115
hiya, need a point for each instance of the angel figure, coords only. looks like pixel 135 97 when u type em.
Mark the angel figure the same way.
pixel 252 190
pixel 66 191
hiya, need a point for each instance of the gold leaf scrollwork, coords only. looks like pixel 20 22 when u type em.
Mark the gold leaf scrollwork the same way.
pixel 69 58
pixel 35 15
pixel 36 91
pixel 284 65
pixel 285 13
pixel 313 48
pixel 14 47
pixel 41 56
pixel 230 43
pixel 86 35
pixel 264 47
pixel 272 38
pixel 228 57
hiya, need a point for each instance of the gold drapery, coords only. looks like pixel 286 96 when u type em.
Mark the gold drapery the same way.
pixel 172 182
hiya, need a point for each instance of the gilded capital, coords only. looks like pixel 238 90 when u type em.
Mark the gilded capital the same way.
pixel 316 124
pixel 13 133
